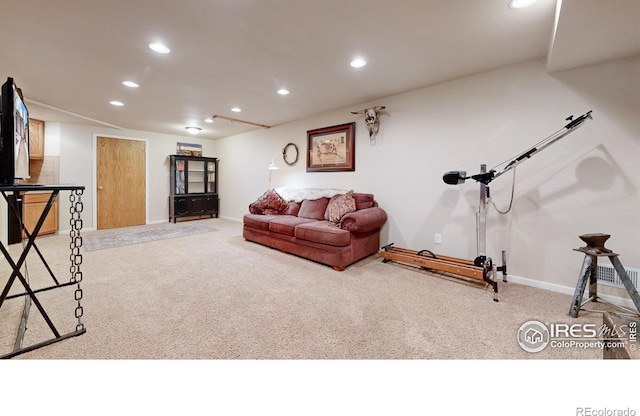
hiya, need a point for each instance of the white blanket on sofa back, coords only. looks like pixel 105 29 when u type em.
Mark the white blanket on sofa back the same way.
pixel 300 194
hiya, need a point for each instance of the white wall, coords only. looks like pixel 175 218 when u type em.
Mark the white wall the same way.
pixel 77 166
pixel 587 182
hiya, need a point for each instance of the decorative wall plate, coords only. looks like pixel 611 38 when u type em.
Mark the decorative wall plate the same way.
pixel 290 154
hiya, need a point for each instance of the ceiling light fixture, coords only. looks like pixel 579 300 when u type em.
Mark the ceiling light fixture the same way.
pixel 236 109
pixel 358 63
pixel 193 130
pixel 519 4
pixel 130 84
pixel 159 47
pixel 208 120
pixel 283 91
pixel 116 103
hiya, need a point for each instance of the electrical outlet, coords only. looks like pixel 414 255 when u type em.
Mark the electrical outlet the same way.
pixel 437 238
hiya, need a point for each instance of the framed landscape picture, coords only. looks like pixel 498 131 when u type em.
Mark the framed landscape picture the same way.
pixel 331 149
pixel 188 149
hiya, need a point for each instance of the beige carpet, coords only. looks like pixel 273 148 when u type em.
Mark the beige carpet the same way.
pixel 215 296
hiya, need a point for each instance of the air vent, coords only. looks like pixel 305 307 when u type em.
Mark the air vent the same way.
pixel 608 276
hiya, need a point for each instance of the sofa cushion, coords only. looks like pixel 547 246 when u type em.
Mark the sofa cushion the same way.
pixel 269 203
pixel 286 224
pixel 258 221
pixel 313 208
pixel 363 200
pixel 338 206
pixel 323 232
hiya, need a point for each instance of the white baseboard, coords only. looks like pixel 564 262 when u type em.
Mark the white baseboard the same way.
pixel 615 300
pixel 231 218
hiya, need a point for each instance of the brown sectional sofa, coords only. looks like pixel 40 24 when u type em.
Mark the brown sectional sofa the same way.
pixel 303 228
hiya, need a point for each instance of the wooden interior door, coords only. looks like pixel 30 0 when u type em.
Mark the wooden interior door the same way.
pixel 121 182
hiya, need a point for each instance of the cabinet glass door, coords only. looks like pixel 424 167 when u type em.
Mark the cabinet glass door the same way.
pixel 179 169
pixel 196 176
pixel 211 177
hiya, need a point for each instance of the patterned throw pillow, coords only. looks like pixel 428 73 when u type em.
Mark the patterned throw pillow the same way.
pixel 270 203
pixel 339 206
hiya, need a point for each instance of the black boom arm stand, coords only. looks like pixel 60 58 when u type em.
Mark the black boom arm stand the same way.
pixel 458 176
pixel 482 268
pixel 485 177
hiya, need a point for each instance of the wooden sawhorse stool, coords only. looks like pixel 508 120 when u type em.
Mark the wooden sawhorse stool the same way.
pixel 594 249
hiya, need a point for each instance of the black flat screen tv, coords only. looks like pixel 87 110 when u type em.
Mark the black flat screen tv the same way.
pixel 14 132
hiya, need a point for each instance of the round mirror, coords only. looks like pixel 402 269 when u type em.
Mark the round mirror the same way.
pixel 290 154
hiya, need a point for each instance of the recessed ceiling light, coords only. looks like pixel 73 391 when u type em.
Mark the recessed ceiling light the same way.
pixel 116 103
pixel 159 47
pixel 519 4
pixel 193 130
pixel 130 84
pixel 283 91
pixel 208 120
pixel 358 63
pixel 236 109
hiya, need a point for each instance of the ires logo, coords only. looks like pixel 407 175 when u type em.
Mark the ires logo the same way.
pixel 558 331
pixel 534 336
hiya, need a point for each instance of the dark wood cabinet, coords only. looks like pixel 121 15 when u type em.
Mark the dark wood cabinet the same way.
pixel 194 187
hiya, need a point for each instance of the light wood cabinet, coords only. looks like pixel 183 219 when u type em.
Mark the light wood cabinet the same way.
pixel 32 206
pixel 36 139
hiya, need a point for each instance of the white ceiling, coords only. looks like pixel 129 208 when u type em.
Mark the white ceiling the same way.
pixel 70 56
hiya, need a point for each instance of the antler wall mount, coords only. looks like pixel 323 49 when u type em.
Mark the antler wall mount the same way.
pixel 372 120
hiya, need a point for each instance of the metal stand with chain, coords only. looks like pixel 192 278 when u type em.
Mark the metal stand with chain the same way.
pixel 589 272
pixel 75 258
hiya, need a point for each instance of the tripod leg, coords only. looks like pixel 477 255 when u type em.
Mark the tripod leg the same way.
pixel 624 277
pixel 593 279
pixel 582 283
